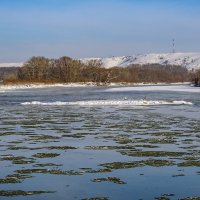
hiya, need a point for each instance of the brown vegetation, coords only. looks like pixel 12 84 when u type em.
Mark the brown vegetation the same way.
pixel 8 73
pixel 68 70
pixel 196 78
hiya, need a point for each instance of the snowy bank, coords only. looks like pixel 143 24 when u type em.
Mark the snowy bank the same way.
pixel 8 87
pixel 32 86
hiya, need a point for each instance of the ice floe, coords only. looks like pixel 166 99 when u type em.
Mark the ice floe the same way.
pixel 108 103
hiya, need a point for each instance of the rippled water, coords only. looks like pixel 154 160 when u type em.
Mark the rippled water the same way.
pixel 55 150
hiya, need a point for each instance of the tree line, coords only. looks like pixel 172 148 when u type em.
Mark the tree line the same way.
pixel 68 70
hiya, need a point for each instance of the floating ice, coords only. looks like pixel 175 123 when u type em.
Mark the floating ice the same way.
pixel 56 103
pixel 169 88
pixel 108 103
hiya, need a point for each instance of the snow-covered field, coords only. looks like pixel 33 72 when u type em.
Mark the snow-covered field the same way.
pixel 189 60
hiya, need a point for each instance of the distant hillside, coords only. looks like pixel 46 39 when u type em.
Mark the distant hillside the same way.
pixel 67 70
pixel 11 64
pixel 189 60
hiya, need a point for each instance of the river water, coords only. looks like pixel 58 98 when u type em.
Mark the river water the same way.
pixel 100 143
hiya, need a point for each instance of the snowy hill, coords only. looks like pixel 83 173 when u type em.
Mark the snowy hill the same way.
pixel 189 60
pixel 11 64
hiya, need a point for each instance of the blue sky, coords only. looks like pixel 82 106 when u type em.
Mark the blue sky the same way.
pixel 94 28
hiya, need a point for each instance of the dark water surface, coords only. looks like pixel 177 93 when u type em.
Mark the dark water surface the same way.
pixel 105 152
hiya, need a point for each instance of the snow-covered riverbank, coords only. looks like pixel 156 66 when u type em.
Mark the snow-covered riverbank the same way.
pixel 119 86
pixel 32 86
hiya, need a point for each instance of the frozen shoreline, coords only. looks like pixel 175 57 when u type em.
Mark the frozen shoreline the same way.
pixel 40 85
pixel 4 88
